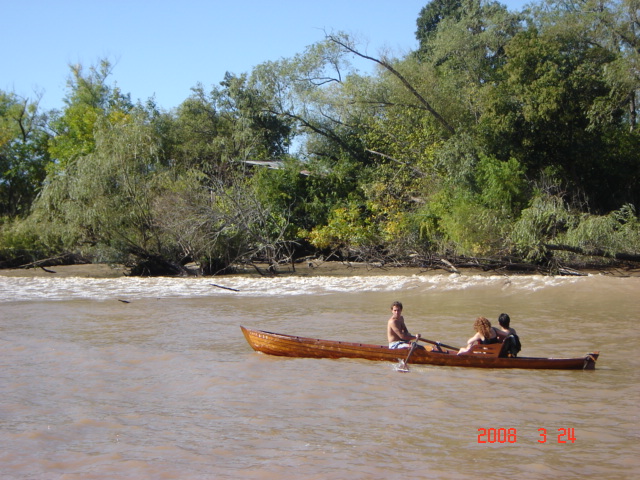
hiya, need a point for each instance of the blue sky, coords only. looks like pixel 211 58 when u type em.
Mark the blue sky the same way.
pixel 163 48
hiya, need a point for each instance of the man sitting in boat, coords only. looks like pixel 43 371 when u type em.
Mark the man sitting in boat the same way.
pixel 485 334
pixel 504 330
pixel 397 332
pixel 508 336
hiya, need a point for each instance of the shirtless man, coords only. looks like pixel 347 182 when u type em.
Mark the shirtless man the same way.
pixel 397 333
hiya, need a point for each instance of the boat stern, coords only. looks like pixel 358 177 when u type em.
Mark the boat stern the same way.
pixel 590 360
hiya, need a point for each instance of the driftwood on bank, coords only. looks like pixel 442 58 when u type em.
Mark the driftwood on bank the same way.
pixel 511 265
pixel 64 259
pixel 454 264
pixel 152 265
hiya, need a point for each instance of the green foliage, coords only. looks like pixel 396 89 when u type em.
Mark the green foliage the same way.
pixel 23 153
pixel 456 222
pixel 618 231
pixel 220 223
pixel 21 243
pixel 215 131
pixel 430 17
pixel 472 217
pixel 104 198
pixel 294 191
pixel 89 101
pixel 560 81
pixel 499 136
pixel 349 229
pixel 548 221
pixel 502 185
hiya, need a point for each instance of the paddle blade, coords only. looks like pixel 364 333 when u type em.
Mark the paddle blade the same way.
pixel 402 366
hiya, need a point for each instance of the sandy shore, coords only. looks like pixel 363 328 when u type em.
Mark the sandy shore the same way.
pixel 83 271
pixel 301 270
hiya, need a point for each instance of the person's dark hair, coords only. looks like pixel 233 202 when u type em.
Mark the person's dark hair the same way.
pixel 504 320
pixel 397 304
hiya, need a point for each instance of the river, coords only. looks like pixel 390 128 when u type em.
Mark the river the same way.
pixel 106 378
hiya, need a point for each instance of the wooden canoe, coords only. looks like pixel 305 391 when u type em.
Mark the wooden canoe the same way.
pixel 483 356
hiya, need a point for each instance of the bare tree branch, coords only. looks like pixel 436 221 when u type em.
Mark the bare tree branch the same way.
pixel 400 77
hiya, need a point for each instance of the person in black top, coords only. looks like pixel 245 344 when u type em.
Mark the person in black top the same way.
pixel 508 336
pixel 504 330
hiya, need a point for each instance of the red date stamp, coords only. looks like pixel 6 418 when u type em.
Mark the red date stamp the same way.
pixel 510 435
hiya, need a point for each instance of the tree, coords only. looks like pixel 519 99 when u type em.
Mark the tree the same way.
pixel 23 153
pixel 423 102
pixel 216 132
pixel 102 205
pixel 547 113
pixel 430 17
pixel 611 25
pixel 89 100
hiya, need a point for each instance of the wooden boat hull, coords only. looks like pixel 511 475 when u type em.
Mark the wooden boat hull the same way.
pixel 292 346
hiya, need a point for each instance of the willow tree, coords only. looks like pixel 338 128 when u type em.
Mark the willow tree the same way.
pixel 90 100
pixel 381 135
pixel 102 205
pixel 319 90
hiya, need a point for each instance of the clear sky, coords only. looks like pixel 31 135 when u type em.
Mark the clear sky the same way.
pixel 163 48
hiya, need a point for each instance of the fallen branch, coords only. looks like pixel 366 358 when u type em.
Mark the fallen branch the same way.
pixel 64 259
pixel 450 265
pixel 570 271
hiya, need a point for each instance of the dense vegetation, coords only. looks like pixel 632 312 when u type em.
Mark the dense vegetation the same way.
pixel 506 138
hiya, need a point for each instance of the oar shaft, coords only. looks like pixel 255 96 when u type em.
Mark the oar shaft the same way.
pixel 404 365
pixel 426 340
pixel 413 347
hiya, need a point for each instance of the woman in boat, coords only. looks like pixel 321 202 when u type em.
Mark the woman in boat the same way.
pixel 485 334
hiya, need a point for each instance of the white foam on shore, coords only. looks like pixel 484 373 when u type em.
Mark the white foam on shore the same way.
pixel 69 288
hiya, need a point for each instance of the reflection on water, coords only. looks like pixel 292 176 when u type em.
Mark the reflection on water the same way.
pixel 166 387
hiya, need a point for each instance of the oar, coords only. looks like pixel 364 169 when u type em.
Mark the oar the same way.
pixel 404 367
pixel 439 344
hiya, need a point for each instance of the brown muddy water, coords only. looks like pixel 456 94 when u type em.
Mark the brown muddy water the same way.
pixel 165 386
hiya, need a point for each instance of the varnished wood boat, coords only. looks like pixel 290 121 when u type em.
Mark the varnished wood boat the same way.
pixel 483 356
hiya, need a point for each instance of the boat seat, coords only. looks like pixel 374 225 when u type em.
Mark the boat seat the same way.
pixel 492 350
